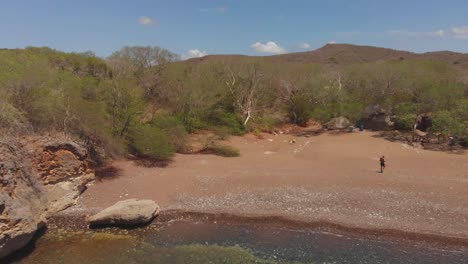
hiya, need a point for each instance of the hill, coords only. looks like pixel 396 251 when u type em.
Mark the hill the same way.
pixel 346 54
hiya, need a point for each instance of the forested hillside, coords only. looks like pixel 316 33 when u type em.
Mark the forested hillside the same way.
pixel 145 101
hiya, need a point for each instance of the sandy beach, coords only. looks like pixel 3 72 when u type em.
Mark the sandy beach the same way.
pixel 328 178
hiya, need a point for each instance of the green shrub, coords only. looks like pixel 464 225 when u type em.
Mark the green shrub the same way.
pixel 192 122
pixel 12 120
pixel 230 121
pixel 222 133
pixel 352 110
pixel 405 122
pixel 257 132
pixel 405 108
pixel 223 150
pixel 174 128
pixel 263 123
pixel 298 110
pixel 322 114
pixel 447 123
pixel 152 143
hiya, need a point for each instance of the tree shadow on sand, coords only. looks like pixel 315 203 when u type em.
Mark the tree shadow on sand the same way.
pixel 107 173
pixel 307 133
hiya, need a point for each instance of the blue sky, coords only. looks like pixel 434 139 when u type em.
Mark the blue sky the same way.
pixel 253 27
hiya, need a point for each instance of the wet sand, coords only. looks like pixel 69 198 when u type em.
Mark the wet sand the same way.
pixel 326 178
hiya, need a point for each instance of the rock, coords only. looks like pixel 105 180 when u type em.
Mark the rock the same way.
pixel 420 133
pixel 22 199
pixel 373 110
pixel 39 176
pixel 60 161
pixel 423 122
pixel 377 118
pixel 63 166
pixel 127 212
pixel 338 123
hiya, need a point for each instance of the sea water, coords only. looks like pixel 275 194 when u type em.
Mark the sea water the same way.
pixel 199 242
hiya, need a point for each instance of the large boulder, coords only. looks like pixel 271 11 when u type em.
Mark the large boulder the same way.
pixel 23 199
pixel 423 122
pixel 377 118
pixel 127 212
pixel 39 176
pixel 340 122
pixel 63 166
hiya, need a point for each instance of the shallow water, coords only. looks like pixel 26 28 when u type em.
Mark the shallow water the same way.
pixel 198 242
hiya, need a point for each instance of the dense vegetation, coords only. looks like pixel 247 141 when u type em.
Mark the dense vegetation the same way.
pixel 143 100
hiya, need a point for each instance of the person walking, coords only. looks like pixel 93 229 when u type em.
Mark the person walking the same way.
pixel 382 164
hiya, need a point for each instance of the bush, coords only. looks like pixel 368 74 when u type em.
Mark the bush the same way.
pixel 222 133
pixel 223 150
pixel 12 120
pixel 447 123
pixel 405 122
pixel 298 110
pixel 192 122
pixel 230 121
pixel 152 143
pixel 352 110
pixel 322 114
pixel 263 124
pixel 174 128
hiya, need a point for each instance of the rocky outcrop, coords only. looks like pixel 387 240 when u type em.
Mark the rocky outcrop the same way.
pixel 338 123
pixel 64 168
pixel 39 176
pixel 423 122
pixel 127 212
pixel 377 118
pixel 22 198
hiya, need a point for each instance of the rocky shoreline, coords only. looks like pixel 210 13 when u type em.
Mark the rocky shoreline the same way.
pixel 39 177
pixel 57 170
pixel 74 220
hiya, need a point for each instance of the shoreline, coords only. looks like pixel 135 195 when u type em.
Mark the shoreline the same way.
pixel 329 179
pixel 75 222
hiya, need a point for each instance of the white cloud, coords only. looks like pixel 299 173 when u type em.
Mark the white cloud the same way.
pixel 268 47
pixel 415 34
pixel 460 32
pixel 220 9
pixel 438 33
pixel 304 45
pixel 332 42
pixel 194 53
pixel 147 21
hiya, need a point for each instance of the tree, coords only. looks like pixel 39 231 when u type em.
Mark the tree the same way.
pixel 448 124
pixel 245 87
pixel 123 103
pixel 146 63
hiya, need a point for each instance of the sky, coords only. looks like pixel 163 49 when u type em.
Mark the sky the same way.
pixel 253 27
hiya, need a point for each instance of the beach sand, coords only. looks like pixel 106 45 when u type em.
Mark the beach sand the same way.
pixel 332 178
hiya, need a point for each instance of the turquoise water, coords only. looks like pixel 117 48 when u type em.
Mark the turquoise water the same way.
pixel 196 242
